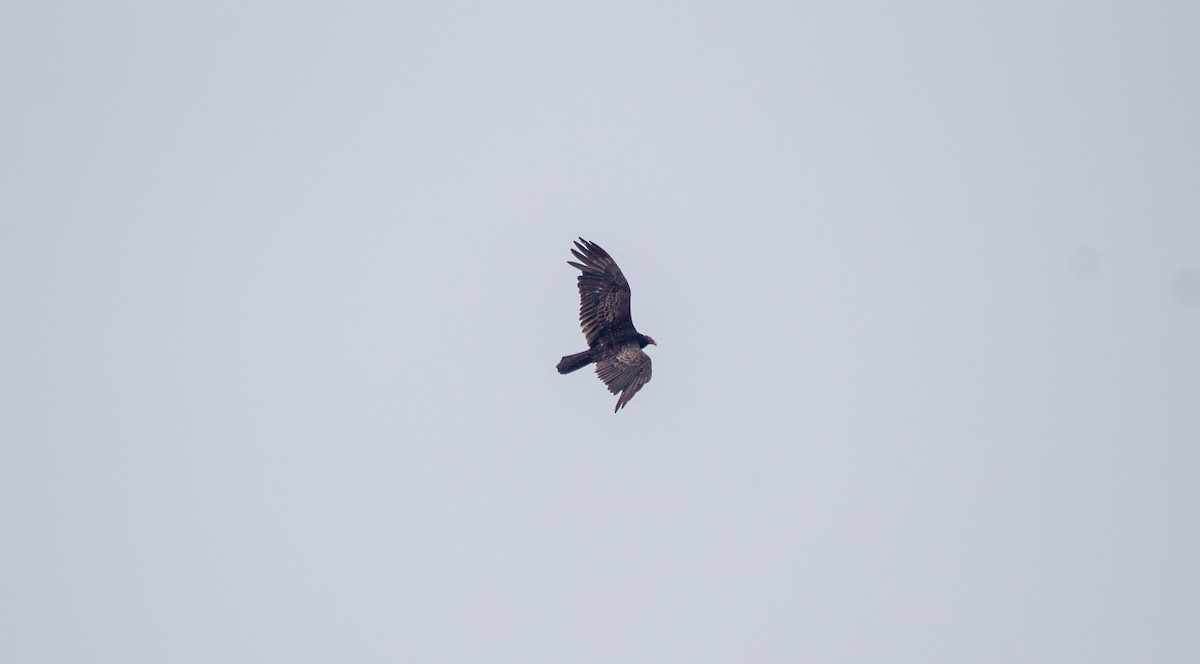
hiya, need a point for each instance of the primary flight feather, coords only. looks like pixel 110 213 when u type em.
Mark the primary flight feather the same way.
pixel 614 344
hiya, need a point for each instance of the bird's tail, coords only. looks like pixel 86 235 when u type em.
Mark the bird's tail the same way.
pixel 570 363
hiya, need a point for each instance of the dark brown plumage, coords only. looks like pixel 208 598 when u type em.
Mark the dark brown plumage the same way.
pixel 614 344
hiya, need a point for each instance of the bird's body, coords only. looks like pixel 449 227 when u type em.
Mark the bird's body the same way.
pixel 614 344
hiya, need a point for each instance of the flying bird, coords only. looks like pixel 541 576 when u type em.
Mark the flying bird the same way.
pixel 614 344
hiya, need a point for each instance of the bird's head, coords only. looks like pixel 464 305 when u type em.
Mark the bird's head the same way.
pixel 649 340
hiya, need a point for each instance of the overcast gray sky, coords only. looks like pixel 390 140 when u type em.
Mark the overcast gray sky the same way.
pixel 283 288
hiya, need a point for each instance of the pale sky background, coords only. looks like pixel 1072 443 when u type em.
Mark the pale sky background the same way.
pixel 283 287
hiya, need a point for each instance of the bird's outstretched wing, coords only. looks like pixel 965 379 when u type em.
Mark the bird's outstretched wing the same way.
pixel 625 370
pixel 603 292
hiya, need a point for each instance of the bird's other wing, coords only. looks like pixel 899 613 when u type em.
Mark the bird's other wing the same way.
pixel 603 292
pixel 625 371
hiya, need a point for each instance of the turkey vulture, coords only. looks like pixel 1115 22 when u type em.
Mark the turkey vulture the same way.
pixel 613 343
